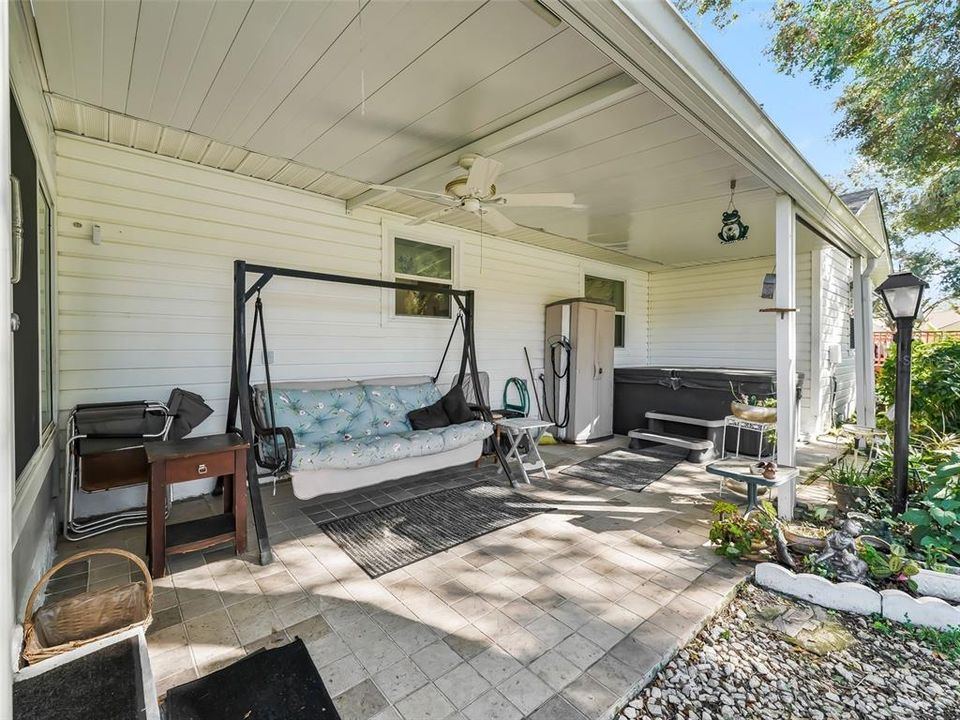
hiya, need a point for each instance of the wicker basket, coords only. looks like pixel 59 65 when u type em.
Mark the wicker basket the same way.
pixel 75 621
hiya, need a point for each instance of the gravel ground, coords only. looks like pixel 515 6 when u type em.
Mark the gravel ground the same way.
pixel 741 667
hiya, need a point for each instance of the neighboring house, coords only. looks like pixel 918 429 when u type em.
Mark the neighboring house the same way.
pixel 944 319
pixel 171 140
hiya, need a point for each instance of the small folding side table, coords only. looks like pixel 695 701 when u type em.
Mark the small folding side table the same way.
pixel 516 429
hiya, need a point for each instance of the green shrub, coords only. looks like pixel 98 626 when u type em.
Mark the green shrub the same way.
pixel 935 401
pixel 935 515
pixel 847 472
pixel 894 567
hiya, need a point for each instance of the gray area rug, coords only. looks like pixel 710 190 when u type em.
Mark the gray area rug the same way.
pixel 391 537
pixel 628 469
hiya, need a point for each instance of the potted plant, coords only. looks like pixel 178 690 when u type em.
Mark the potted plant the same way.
pixel 743 537
pixel 804 538
pixel 755 408
pixel 851 483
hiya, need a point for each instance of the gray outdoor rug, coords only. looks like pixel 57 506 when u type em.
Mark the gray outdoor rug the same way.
pixel 628 469
pixel 391 537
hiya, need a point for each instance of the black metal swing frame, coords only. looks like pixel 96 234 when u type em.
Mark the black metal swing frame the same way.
pixel 240 397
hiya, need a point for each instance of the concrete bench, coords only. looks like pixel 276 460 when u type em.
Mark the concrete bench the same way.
pixel 699 450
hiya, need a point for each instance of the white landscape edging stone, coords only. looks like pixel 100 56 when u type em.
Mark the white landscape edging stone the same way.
pixel 850 597
pixel 894 605
pixel 939 584
pixel 926 611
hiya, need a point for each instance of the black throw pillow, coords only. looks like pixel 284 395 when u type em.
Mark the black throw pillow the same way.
pixel 429 417
pixel 456 407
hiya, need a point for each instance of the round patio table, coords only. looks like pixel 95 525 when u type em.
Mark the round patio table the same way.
pixel 739 469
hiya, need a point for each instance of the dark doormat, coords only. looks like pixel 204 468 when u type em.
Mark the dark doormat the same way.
pixel 391 537
pixel 102 684
pixel 277 684
pixel 628 469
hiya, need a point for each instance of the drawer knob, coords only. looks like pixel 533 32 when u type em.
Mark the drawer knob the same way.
pixel 202 468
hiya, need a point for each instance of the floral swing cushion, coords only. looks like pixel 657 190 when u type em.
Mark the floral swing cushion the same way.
pixel 360 425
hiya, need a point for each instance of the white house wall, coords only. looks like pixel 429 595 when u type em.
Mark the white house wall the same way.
pixel 708 316
pixel 150 309
pixel 836 308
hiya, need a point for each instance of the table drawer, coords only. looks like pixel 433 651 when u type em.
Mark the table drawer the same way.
pixel 200 466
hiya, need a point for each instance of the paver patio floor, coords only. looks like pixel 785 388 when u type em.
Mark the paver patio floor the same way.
pixel 562 615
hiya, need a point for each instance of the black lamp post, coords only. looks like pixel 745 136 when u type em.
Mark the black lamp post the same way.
pixel 901 293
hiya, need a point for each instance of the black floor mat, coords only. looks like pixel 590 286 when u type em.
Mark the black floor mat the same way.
pixel 102 684
pixel 277 684
pixel 628 469
pixel 397 535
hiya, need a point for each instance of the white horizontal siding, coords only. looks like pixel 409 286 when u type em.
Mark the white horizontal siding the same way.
pixel 150 309
pixel 709 316
pixel 836 308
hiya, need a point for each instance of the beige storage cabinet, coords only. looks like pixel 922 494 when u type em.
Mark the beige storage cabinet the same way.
pixel 588 326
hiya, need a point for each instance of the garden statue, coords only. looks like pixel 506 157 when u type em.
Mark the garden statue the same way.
pixel 841 553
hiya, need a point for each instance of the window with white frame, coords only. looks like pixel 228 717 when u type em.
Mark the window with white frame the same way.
pixel 32 302
pixel 422 263
pixel 614 292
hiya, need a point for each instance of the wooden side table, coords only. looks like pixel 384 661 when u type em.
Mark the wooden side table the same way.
pixel 191 459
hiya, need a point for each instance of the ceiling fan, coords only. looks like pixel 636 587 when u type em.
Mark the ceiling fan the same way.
pixel 476 193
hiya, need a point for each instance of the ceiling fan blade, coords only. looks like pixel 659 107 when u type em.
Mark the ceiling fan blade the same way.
pixel 432 215
pixel 497 220
pixel 483 173
pixel 536 200
pixel 410 191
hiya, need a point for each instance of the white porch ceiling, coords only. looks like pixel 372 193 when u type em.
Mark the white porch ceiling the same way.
pixel 330 96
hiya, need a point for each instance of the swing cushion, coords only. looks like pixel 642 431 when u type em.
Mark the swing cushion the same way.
pixel 380 449
pixel 344 425
pixel 391 403
pixel 324 415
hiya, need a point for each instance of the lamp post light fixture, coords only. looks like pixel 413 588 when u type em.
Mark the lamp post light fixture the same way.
pixel 902 293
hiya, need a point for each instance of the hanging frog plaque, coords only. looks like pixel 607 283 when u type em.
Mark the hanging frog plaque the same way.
pixel 733 228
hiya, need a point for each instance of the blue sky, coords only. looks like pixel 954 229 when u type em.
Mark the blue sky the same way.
pixel 805 113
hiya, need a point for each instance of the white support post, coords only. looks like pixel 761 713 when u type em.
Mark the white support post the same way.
pixel 859 341
pixel 786 297
pixel 7 590
pixel 863 340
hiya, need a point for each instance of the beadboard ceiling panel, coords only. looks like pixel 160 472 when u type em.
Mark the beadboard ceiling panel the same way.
pixel 275 48
pixel 495 37
pixel 332 96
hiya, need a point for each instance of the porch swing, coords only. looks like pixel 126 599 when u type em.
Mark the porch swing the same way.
pixel 273 443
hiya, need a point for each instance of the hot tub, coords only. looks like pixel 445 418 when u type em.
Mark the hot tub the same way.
pixel 698 392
